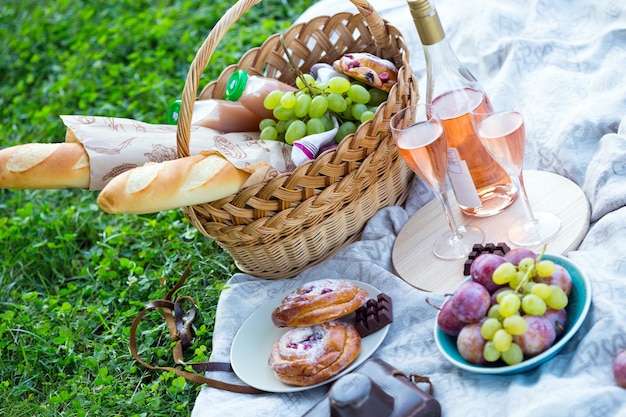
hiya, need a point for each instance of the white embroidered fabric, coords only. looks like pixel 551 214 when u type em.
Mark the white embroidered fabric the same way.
pixel 567 59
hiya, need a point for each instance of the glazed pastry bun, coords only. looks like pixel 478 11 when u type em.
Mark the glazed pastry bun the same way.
pixel 305 356
pixel 318 302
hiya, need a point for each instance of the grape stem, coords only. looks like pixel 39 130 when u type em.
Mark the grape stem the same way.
pixel 294 68
pixel 300 75
pixel 430 303
pixel 530 272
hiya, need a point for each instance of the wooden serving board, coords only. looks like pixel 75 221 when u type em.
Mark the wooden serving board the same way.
pixel 412 254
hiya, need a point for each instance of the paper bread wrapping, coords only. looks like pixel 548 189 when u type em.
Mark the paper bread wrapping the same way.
pixel 136 168
pixel 115 145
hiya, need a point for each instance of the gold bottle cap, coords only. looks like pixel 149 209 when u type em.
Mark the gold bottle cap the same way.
pixel 426 21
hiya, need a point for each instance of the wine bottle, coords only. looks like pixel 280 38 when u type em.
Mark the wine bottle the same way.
pixel 481 187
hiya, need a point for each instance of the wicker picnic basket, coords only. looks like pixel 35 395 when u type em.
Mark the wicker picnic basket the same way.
pixel 278 228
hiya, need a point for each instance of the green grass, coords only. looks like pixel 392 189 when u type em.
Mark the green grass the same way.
pixel 72 278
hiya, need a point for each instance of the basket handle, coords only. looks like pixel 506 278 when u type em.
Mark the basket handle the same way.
pixel 375 23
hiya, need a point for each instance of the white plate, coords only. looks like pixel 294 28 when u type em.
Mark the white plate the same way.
pixel 253 343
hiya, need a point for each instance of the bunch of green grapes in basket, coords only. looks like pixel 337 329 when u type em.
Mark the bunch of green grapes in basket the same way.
pixel 318 107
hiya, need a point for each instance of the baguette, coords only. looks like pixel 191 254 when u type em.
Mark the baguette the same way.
pixel 44 166
pixel 172 184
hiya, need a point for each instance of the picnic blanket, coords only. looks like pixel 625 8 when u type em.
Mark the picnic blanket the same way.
pixel 567 59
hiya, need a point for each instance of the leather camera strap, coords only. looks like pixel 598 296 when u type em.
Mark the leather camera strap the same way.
pixel 180 325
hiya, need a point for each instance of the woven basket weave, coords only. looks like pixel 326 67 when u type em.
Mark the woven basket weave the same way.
pixel 278 228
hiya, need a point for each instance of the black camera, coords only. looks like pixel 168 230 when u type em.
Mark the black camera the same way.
pixel 376 389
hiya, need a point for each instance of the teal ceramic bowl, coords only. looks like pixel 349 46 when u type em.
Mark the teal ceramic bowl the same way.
pixel 577 310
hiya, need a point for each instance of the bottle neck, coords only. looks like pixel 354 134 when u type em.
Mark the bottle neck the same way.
pixel 427 22
pixel 444 70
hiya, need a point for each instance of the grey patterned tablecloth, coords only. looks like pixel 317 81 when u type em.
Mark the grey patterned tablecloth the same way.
pixel 568 62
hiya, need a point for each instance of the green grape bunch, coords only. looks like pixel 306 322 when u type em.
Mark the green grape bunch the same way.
pixel 318 106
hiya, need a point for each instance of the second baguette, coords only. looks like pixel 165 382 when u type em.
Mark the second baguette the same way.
pixel 44 166
pixel 172 184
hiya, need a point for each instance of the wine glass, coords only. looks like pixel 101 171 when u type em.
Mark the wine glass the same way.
pixel 419 137
pixel 500 127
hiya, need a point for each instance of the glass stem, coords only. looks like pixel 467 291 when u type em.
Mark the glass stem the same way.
pixel 443 198
pixel 521 189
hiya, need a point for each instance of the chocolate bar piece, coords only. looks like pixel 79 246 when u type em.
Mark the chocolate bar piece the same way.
pixel 373 315
pixel 499 249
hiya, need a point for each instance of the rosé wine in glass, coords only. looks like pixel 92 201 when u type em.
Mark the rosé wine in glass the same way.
pixel 423 149
pixel 420 139
pixel 502 132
